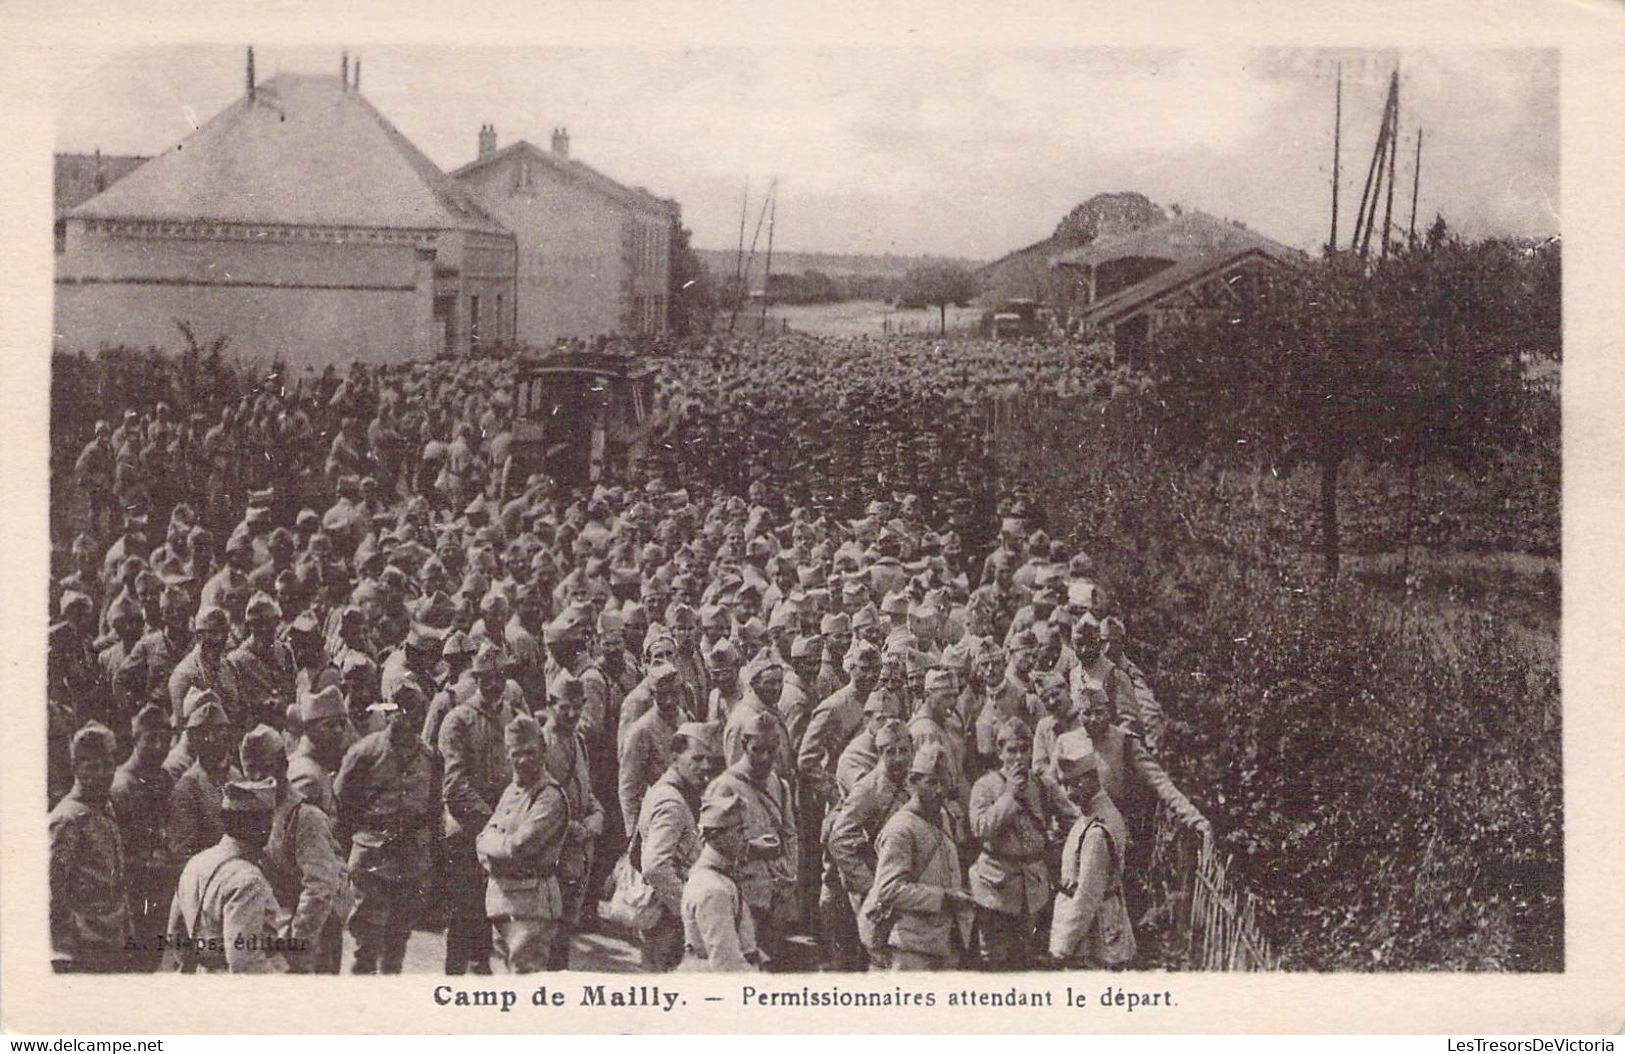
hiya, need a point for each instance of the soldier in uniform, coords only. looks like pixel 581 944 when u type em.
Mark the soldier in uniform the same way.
pixel 205 667
pixel 647 745
pixel 565 754
pixel 224 916
pixel 911 914
pixel 668 836
pixel 194 805
pixel 719 935
pixel 519 849
pixel 853 828
pixel 388 791
pixel 767 877
pixel 319 750
pixel 90 916
pixel 1091 928
pixel 140 795
pixel 476 774
pixel 1012 810
pixel 302 861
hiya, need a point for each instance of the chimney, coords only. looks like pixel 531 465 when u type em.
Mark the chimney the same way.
pixel 251 73
pixel 101 175
pixel 356 81
pixel 344 71
pixel 488 140
pixel 561 142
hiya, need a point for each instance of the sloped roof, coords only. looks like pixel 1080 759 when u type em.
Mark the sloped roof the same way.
pixel 1194 235
pixel 1184 274
pixel 75 176
pixel 303 152
pixel 585 174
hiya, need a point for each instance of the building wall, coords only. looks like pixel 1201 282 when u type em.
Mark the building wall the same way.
pixel 587 262
pixel 310 297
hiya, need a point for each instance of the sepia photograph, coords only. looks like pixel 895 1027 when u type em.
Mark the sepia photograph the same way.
pixel 803 510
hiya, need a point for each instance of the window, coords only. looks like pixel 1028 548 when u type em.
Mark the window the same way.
pixel 498 323
pixel 473 322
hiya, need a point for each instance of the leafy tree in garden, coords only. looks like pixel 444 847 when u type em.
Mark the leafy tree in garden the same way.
pixel 692 298
pixel 939 285
pixel 1411 360
pixel 1107 215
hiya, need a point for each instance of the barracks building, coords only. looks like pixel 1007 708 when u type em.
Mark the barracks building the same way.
pixel 300 223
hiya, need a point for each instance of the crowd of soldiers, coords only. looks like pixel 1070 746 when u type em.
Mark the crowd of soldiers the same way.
pixel 725 715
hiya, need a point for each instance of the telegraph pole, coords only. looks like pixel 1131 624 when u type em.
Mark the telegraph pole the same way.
pixel 1337 155
pixel 1416 184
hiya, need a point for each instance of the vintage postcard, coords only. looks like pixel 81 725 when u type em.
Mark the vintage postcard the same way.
pixel 656 520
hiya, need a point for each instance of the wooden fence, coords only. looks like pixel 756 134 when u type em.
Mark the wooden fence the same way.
pixel 1210 918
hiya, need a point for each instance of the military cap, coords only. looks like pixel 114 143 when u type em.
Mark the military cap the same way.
pixel 724 651
pixel 262 746
pixel 838 622
pixel 124 606
pixel 249 796
pixel 424 637
pixel 150 718
pixel 929 758
pixel 714 616
pixel 210 618
pixel 806 647
pixel 325 703
pixel 703 733
pixel 565 685
pixel 522 731
pixel 261 605
pixel 1014 728
pixel 759 723
pixel 765 666
pixel 305 623
pixel 810 576
pixel 308 518
pixel 865 617
pixel 680 613
pixel 895 603
pixel 722 811
pixel 1086 626
pixel 1075 754
pixel 661 673
pixel 1112 628
pixel 487 660
pixel 571 624
pixel 457 643
pixel 205 712
pixel 940 680
pixel 861 653
pixel 476 506
pixel 883 701
pixel 888 733
pixel 356 662
pixel 93 740
pixel 73 598
pixel 366 591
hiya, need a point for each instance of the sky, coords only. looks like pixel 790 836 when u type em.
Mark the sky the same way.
pixel 911 150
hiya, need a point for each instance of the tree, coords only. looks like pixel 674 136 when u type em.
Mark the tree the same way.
pixel 692 297
pixel 1106 215
pixel 1415 359
pixel 939 285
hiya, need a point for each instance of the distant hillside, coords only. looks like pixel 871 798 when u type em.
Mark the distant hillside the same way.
pixel 721 263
